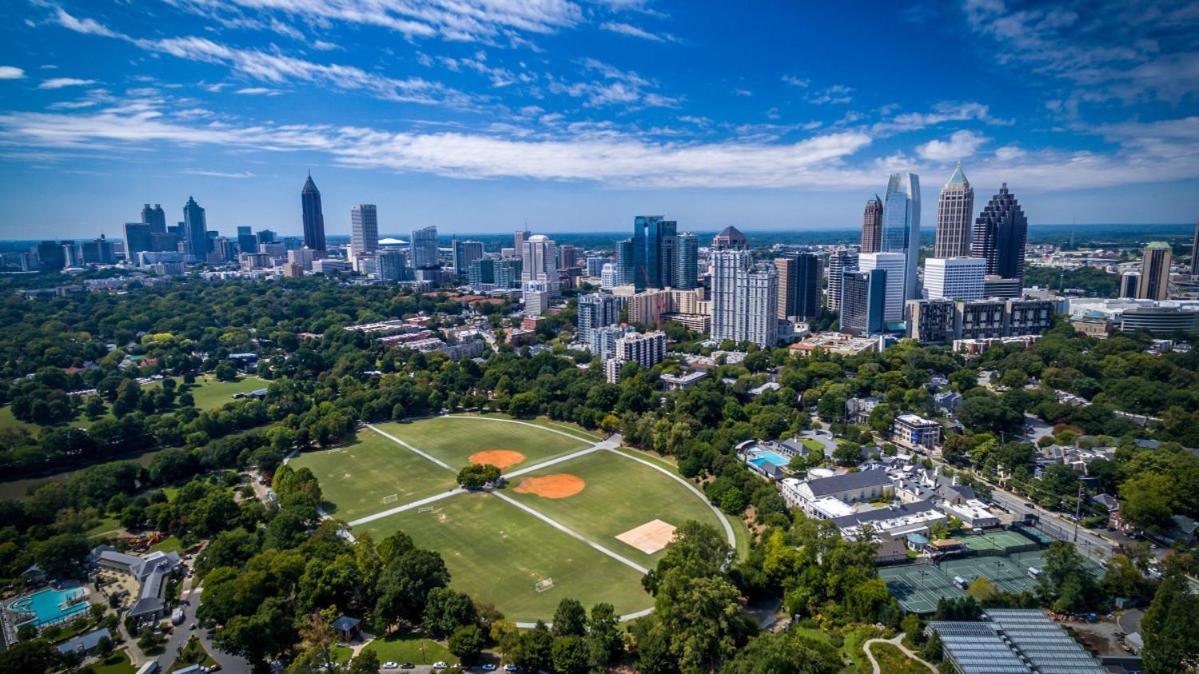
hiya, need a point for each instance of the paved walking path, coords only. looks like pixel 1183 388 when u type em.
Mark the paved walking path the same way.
pixel 425 454
pixel 896 641
pixel 407 506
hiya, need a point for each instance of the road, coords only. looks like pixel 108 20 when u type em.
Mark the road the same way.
pixel 234 664
pixel 1089 543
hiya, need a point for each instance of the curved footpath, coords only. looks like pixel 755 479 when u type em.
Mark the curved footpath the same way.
pixel 896 641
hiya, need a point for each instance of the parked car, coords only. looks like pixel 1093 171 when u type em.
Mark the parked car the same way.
pixel 390 665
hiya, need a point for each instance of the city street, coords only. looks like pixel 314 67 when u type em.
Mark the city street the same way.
pixel 1090 544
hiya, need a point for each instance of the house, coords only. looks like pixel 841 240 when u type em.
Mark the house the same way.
pixel 846 488
pixel 85 643
pixel 915 431
pixel 857 410
pixel 947 400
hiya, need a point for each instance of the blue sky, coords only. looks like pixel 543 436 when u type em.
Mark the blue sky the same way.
pixel 481 115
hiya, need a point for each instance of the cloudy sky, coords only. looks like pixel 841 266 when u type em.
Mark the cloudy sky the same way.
pixel 481 115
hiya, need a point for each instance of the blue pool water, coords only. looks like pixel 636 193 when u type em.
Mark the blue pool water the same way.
pixel 767 456
pixel 50 606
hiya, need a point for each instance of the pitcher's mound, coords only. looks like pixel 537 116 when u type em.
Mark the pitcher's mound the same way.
pixel 552 486
pixel 649 537
pixel 500 458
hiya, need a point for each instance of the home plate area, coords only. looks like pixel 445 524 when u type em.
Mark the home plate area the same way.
pixel 649 537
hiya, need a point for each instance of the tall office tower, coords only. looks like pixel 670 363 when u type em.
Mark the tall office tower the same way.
pixel 955 278
pixel 508 272
pixel 391 265
pixel 539 261
pixel 624 262
pixel 364 230
pixel 265 236
pixel 424 248
pixel 519 238
pixel 744 299
pixel 466 252
pixel 901 232
pixel 1195 252
pixel 595 265
pixel 1129 281
pixel 596 310
pixel 895 264
pixel 155 217
pixel 729 238
pixel 863 301
pixel 568 256
pixel 686 272
pixel 50 255
pixel 137 239
pixel 195 231
pixel 246 241
pixel 872 226
pixel 799 285
pixel 225 248
pixel 1000 232
pixel 955 208
pixel 314 217
pixel 1155 272
pixel 840 260
pixel 654 248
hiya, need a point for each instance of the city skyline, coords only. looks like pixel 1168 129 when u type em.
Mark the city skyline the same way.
pixel 572 116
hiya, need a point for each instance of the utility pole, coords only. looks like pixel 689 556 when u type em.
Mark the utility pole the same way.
pixel 1077 512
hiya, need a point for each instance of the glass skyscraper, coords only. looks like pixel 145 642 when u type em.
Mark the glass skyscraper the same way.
pixel 364 229
pixel 655 243
pixel 314 217
pixel 686 273
pixel 424 248
pixel 1000 233
pixel 195 231
pixel 901 226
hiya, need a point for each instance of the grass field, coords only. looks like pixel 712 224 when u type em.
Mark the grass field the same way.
pixel 210 393
pixel 358 477
pixel 620 494
pixel 454 439
pixel 497 553
pixel 893 661
pixel 117 663
pixel 406 648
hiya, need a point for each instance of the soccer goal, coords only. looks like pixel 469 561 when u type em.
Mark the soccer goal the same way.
pixel 543 585
pixel 391 498
pixel 425 509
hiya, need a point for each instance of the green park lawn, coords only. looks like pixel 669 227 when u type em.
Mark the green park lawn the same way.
pixel 373 474
pixel 210 393
pixel 497 553
pixel 409 648
pixel 117 663
pixel 620 494
pixel 455 439
pixel 193 653
pixel 893 661
pixel 168 544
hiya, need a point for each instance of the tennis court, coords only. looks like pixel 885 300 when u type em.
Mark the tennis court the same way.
pixel 918 587
pixel 997 542
pixel 1007 575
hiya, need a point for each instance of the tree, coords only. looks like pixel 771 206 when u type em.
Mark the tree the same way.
pixel 535 650
pixel 786 653
pixel 1146 500
pixel 367 662
pixel 571 655
pixel 703 617
pixel 477 475
pixel 847 454
pixel 446 611
pixel 28 656
pixel 603 635
pixel 467 643
pixel 405 583
pixel 570 618
pixel 1171 626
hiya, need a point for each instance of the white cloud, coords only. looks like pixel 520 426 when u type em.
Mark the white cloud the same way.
pixel 942 112
pixel 11 73
pixel 837 94
pixel 258 91
pixel 63 82
pixel 634 31
pixel 321 45
pixel 614 86
pixel 961 144
pixel 219 174
pixel 796 81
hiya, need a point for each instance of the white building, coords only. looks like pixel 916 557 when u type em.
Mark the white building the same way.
pixel 744 299
pixel 608 276
pixel 895 266
pixel 537 296
pixel 954 278
pixel 364 229
pixel 646 350
pixel 816 496
pixel 539 261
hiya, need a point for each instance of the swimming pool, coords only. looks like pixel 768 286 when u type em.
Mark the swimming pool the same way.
pixel 50 606
pixel 766 456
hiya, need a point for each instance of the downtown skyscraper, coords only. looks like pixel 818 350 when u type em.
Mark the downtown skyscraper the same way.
pixel 424 248
pixel 744 299
pixel 1000 233
pixel 313 215
pixel 155 218
pixel 955 208
pixel 872 226
pixel 799 285
pixel 364 229
pixel 195 231
pixel 1154 283
pixel 655 245
pixel 686 269
pixel 901 229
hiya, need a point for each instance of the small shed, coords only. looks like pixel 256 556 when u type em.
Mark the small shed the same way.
pixel 346 627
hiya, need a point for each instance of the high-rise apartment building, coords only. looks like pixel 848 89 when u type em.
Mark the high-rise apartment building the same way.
pixel 646 350
pixel 901 231
pixel 1155 272
pixel 155 217
pixel 729 238
pixel 655 246
pixel 481 272
pixel 508 272
pixel 195 231
pixel 839 261
pixel 895 264
pixel 872 226
pixel 956 278
pixel 314 216
pixel 686 272
pixel 931 321
pixel 364 230
pixel 608 276
pixel 568 256
pixel 955 209
pixel 744 299
pixel 625 266
pixel 863 301
pixel 799 286
pixel 595 265
pixel 392 265
pixel 596 310
pixel 424 248
pixel 1000 233
pixel 466 252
